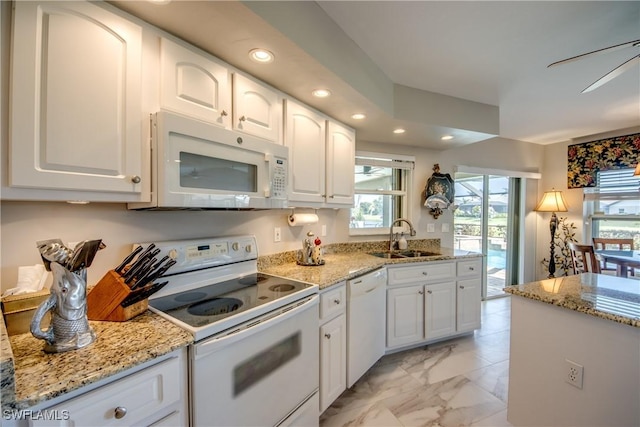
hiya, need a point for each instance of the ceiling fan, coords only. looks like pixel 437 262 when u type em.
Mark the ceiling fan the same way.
pixel 611 74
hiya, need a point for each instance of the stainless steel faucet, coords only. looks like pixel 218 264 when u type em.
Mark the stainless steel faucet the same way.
pixel 392 241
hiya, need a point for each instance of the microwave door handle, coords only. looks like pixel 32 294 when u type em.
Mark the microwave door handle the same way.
pixel 268 158
pixel 216 343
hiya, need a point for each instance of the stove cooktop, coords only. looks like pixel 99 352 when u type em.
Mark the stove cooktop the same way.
pixel 213 303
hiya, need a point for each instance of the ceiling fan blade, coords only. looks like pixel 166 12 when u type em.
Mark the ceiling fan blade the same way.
pixel 613 73
pixel 599 51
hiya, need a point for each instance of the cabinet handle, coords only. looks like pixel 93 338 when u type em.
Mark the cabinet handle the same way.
pixel 461 287
pixel 242 118
pixel 224 113
pixel 429 292
pixel 424 273
pixel 327 336
pixel 332 197
pixel 336 301
pixel 421 292
pixel 120 412
pixel 471 268
pixel 136 179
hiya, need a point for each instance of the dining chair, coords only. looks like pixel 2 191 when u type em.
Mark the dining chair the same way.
pixel 615 244
pixel 583 259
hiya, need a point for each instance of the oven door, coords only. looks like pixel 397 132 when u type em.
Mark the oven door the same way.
pixel 203 166
pixel 258 373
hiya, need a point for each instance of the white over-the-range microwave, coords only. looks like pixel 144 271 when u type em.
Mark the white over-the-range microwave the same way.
pixel 197 165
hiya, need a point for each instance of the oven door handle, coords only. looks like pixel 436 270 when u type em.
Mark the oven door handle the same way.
pixel 216 343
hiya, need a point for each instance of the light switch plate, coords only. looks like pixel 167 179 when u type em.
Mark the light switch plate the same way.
pixel 431 228
pixel 277 235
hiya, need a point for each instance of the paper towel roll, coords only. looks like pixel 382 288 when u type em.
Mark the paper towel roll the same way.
pixel 302 219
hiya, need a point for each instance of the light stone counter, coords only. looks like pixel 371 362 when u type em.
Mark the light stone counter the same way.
pixel 40 376
pixel 30 376
pixel 344 261
pixel 599 295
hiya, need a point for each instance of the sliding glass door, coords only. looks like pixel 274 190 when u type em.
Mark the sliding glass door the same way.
pixel 485 221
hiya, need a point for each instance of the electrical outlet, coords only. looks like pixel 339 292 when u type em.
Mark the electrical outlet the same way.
pixel 324 230
pixel 431 228
pixel 277 235
pixel 573 373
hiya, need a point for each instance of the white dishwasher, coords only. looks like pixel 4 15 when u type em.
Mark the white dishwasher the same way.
pixel 366 322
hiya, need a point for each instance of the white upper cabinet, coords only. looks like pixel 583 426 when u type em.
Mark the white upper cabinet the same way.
pixel 305 137
pixel 194 84
pixel 75 112
pixel 341 155
pixel 322 154
pixel 257 109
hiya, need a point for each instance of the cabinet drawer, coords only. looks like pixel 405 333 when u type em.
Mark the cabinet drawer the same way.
pixel 143 397
pixel 333 301
pixel 422 273
pixel 470 267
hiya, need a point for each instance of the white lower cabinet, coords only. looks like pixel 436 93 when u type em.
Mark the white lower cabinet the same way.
pixel 333 345
pixel 432 301
pixel 155 395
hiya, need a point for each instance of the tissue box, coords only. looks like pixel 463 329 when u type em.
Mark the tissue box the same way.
pixel 18 310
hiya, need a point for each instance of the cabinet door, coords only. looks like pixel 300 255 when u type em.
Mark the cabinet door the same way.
pixel 305 137
pixel 333 360
pixel 195 85
pixel 469 303
pixel 341 154
pixel 405 316
pixel 142 398
pixel 76 118
pixel 440 310
pixel 257 109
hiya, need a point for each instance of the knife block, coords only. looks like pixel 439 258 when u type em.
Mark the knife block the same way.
pixel 103 302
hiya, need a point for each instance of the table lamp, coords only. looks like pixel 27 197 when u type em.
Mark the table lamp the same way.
pixel 552 201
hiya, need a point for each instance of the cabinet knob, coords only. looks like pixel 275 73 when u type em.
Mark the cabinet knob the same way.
pixel 120 412
pixel 336 301
pixel 424 273
pixel 461 287
pixel 242 118
pixel 224 113
pixel 136 179
pixel 327 336
pixel 421 292
pixel 471 268
pixel 429 292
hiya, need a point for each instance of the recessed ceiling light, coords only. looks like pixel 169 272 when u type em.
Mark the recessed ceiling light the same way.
pixel 446 138
pixel 261 55
pixel 399 130
pixel 358 116
pixel 321 93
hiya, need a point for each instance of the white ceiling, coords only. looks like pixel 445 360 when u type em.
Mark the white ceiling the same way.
pixel 492 53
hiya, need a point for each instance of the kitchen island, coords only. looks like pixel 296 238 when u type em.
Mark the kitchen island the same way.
pixel 575 352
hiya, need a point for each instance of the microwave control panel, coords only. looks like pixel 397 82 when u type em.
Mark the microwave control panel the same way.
pixel 279 179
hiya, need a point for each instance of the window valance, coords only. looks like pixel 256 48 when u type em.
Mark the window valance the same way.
pixel 585 160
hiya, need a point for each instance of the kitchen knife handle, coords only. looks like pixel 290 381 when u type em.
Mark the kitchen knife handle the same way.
pixel 127 260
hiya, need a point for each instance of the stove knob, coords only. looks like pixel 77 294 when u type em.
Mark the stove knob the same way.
pixel 248 248
pixel 235 246
pixel 173 254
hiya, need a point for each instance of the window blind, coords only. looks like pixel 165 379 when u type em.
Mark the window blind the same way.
pixel 614 184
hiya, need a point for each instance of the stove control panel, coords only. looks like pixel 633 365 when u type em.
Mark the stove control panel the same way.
pixel 196 254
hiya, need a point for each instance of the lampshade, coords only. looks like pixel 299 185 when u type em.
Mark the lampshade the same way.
pixel 552 201
pixel 637 172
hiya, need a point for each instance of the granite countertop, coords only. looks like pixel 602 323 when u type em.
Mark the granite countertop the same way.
pixel 31 376
pixel 344 261
pixel 609 297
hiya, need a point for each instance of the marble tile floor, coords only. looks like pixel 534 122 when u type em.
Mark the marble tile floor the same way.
pixel 460 382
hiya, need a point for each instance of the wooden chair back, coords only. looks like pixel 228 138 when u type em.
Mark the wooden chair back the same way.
pixel 583 259
pixel 617 244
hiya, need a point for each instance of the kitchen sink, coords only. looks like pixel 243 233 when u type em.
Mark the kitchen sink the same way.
pixel 403 254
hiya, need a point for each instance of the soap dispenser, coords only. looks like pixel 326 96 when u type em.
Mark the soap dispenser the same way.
pixel 402 243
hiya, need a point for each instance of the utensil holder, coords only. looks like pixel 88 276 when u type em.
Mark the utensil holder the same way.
pixel 103 302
